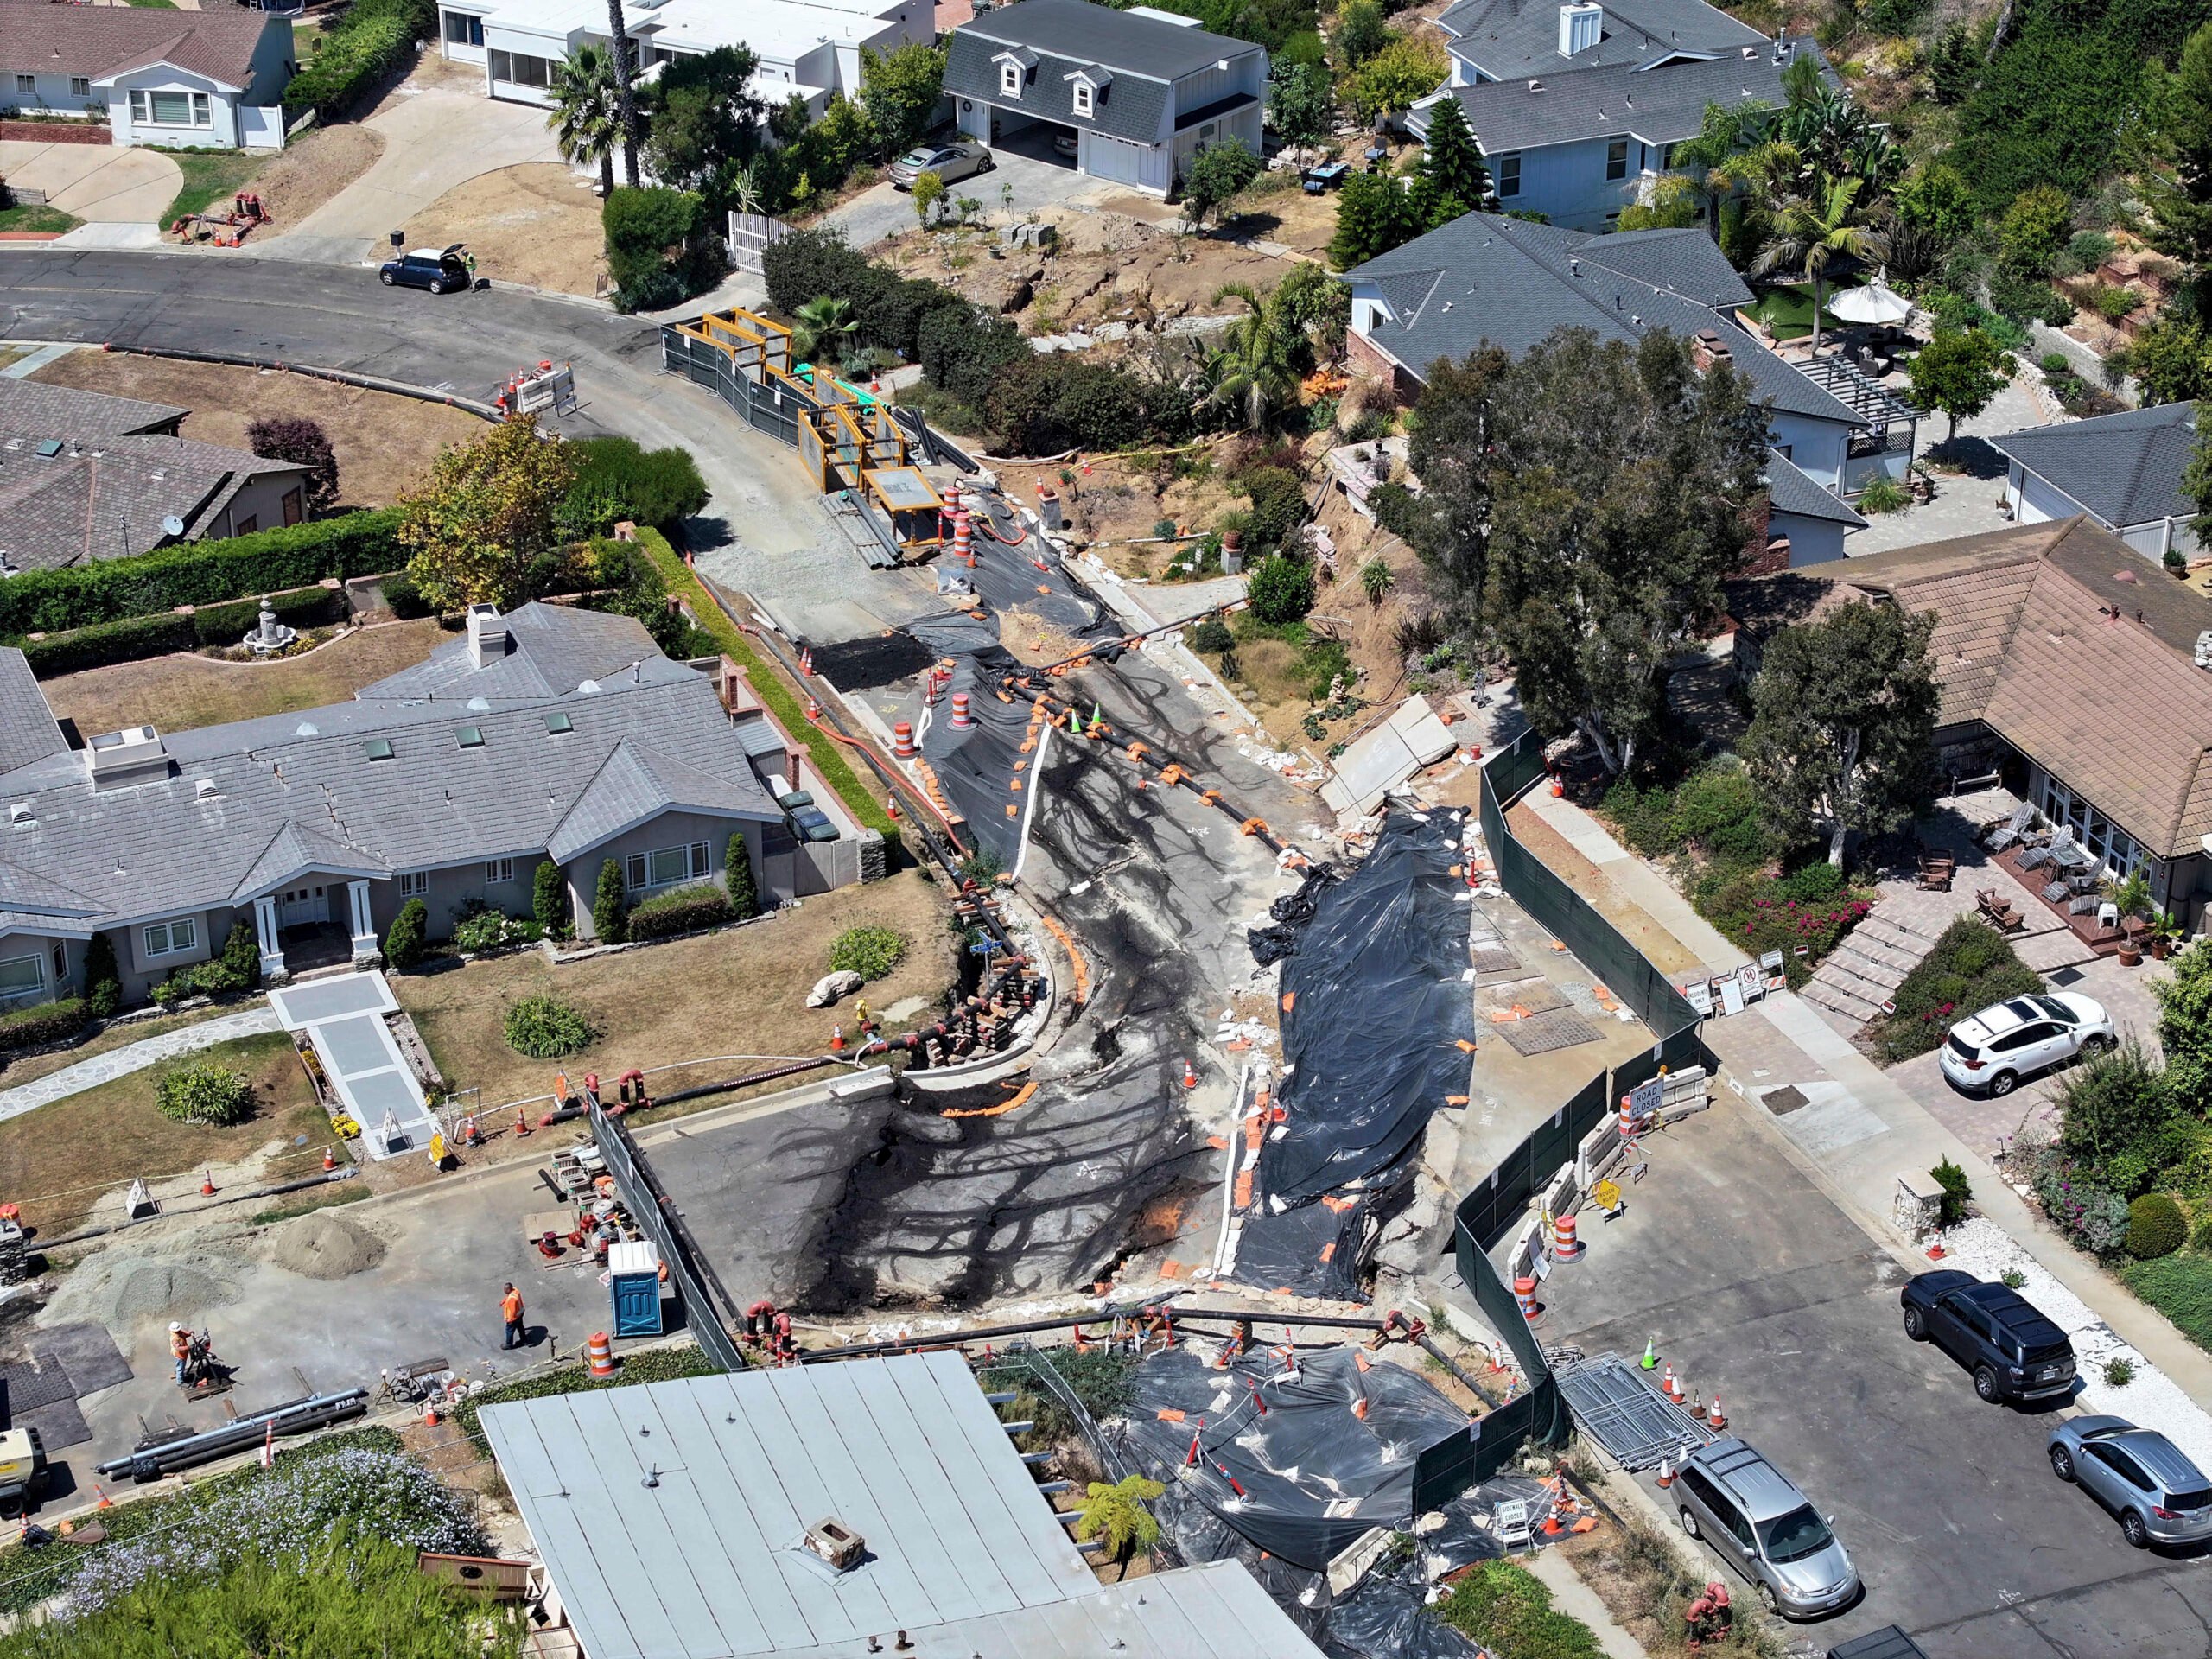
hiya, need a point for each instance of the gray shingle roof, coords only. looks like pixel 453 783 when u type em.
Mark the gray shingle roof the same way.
pixel 2124 469
pixel 78 417
pixel 1134 107
pixel 107 497
pixel 551 649
pixel 1659 105
pixel 1518 38
pixel 1083 32
pixel 1789 491
pixel 638 783
pixel 292 790
pixel 28 731
pixel 1511 282
pixel 104 42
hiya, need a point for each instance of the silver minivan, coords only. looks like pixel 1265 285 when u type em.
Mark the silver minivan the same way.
pixel 1750 1513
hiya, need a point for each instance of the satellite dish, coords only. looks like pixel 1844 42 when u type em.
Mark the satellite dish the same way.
pixel 172 525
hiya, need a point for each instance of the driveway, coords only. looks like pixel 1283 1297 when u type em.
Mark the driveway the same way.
pixel 1039 179
pixel 102 184
pixel 435 138
pixel 1754 1284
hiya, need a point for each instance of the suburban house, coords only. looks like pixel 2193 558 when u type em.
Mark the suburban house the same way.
pixel 807 49
pixel 84 476
pixel 1138 91
pixel 2082 679
pixel 2123 470
pixel 1508 282
pixel 1579 107
pixel 210 79
pixel 874 1505
pixel 544 733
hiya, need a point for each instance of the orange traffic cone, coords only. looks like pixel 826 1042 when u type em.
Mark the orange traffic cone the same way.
pixel 430 1413
pixel 1671 1386
pixel 207 1185
pixel 329 1158
pixel 1712 1417
pixel 521 1123
pixel 1190 1075
pixel 836 1040
pixel 1665 1474
pixel 105 1502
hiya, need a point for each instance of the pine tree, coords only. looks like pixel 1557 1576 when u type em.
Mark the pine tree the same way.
pixel 103 983
pixel 2179 190
pixel 737 875
pixel 549 897
pixel 1375 213
pixel 610 905
pixel 1452 162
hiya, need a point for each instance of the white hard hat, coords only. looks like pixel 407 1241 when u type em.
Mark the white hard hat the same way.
pixel 175 1326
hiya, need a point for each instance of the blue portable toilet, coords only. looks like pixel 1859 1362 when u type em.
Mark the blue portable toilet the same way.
pixel 634 1277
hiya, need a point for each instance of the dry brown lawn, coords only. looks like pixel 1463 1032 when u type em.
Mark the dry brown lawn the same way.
pixel 384 444
pixel 741 992
pixel 314 167
pixel 537 223
pixel 57 1160
pixel 182 692
pixel 29 1067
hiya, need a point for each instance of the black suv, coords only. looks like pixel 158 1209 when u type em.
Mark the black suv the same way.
pixel 2014 1352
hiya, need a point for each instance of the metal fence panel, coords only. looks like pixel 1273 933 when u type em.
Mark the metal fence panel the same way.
pixel 648 1202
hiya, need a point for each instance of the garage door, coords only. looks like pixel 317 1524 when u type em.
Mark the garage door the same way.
pixel 1142 165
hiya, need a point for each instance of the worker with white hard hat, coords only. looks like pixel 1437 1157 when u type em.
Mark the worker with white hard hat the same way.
pixel 180 1346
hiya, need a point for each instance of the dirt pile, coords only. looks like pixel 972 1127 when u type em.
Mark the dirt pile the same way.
pixel 323 1244
pixel 120 1288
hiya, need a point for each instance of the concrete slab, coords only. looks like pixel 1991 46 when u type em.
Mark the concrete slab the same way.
pixel 105 184
pixel 126 238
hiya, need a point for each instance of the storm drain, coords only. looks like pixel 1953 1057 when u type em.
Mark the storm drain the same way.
pixel 1636 1423
pixel 1539 1033
pixel 1788 1098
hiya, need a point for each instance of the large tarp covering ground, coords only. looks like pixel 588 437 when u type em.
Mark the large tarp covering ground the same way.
pixel 1379 1028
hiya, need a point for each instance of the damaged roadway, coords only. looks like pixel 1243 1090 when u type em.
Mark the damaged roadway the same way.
pixel 879 1204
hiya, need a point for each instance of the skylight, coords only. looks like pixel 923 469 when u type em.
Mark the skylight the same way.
pixel 470 737
pixel 557 723
pixel 378 748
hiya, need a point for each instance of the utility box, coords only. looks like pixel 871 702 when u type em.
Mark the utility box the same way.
pixel 633 1271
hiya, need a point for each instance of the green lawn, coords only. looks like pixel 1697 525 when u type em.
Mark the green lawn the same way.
pixel 210 176
pixel 2179 1287
pixel 39 218
pixel 1787 312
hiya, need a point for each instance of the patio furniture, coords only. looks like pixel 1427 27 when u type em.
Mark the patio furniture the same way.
pixel 1936 870
pixel 2107 914
pixel 2081 904
pixel 1997 910
pixel 2035 858
pixel 2084 882
pixel 2055 892
pixel 2069 854
pixel 2010 830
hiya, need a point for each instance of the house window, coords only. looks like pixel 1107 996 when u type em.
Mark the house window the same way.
pixel 61 962
pixel 2106 842
pixel 498 870
pixel 171 109
pixel 462 30
pixel 168 938
pixel 1509 175
pixel 247 526
pixel 414 884
pixel 1085 98
pixel 518 69
pixel 27 85
pixel 1009 80
pixel 1617 159
pixel 80 86
pixel 666 866
pixel 21 979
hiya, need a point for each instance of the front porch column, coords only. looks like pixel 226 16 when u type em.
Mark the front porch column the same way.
pixel 272 948
pixel 364 930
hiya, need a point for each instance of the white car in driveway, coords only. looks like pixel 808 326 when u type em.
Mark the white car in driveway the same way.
pixel 1992 1051
pixel 959 159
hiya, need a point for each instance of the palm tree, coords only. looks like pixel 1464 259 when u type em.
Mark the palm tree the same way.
pixel 587 119
pixel 824 327
pixel 1725 137
pixel 625 100
pixel 1250 370
pixel 1118 1513
pixel 1810 234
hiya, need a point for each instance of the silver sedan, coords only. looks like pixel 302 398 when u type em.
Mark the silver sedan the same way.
pixel 958 160
pixel 2143 1478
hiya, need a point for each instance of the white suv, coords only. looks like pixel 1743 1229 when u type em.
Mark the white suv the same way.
pixel 2007 1041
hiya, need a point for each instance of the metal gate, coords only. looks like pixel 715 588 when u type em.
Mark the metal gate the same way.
pixel 705 1308
pixel 751 235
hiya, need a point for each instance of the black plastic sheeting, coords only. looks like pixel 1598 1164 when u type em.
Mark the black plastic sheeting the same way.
pixel 1376 1036
pixel 1281 1425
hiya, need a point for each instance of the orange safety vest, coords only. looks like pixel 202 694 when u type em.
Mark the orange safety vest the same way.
pixel 180 1343
pixel 510 1306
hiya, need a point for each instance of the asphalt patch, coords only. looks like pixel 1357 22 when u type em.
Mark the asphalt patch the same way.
pixel 863 664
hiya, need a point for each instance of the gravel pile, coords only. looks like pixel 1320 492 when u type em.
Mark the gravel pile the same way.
pixel 323 1244
pixel 120 1288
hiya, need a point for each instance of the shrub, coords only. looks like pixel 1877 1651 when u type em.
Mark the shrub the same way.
pixel 2179 1287
pixel 2034 229
pixel 1101 1380
pixel 660 488
pixel 47 1022
pixel 1278 497
pixel 1716 810
pixel 1750 908
pixel 1884 494
pixel 1209 635
pixel 1971 967
pixel 610 904
pixel 203 1091
pixel 2155 1227
pixel 2111 1106
pixel 482 929
pixel 103 980
pixel 1280 590
pixel 370 43
pixel 1505 1607
pixel 2013 1278
pixel 123 641
pixel 654 252
pixel 545 1028
pixel 403 596
pixel 201 572
pixel 1815 883
pixel 549 897
pixel 685 910
pixel 871 953
pixel 2089 1214
pixel 737 877
pixel 241 958
pixel 2120 1371
pixel 405 940
pixel 299 439
pixel 1951 1209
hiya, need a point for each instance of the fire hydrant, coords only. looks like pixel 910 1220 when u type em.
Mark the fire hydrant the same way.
pixel 1709 1617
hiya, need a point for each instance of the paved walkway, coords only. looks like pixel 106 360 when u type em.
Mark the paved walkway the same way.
pixel 136 1056
pixel 1860 1131
pixel 1577 1600
pixel 101 183
pixel 1966 503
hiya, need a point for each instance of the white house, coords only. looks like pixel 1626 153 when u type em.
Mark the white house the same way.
pixel 807 48
pixel 212 79
pixel 1139 93
pixel 1579 107
pixel 2123 470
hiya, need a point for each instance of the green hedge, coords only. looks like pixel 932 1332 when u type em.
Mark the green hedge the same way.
pixel 201 572
pixel 2179 1287
pixel 133 637
pixel 374 39
pixel 684 911
pixel 47 1022
pixel 767 684
pixel 652 1365
pixel 1971 967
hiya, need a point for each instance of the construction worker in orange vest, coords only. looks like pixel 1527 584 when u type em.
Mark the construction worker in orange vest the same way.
pixel 180 1346
pixel 510 1311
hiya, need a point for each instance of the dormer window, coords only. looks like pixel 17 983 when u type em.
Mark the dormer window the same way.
pixel 1086 98
pixel 1010 79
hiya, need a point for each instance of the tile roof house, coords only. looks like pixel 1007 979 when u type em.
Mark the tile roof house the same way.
pixel 1140 91
pixel 84 476
pixel 212 78
pixel 1578 106
pixel 2123 470
pixel 1486 279
pixel 2087 677
pixel 545 733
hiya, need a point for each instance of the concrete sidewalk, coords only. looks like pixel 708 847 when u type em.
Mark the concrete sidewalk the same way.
pixel 136 1056
pixel 1856 1129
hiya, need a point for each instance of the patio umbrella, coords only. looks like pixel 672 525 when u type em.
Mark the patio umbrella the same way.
pixel 1877 302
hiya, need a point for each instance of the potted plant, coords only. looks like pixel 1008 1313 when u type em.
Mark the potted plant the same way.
pixel 2165 933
